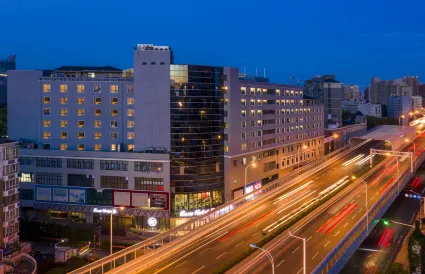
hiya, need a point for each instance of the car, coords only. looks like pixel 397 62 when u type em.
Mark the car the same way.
pixel 156 246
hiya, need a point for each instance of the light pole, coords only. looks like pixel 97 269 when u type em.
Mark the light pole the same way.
pixel 399 119
pixel 299 159
pixel 420 205
pixel 267 253
pixel 253 164
pixel 304 252
pixel 113 211
pixel 414 145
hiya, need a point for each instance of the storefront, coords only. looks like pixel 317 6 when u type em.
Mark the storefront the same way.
pixel 193 201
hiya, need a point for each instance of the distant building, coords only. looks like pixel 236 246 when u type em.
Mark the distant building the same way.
pixel 329 91
pixel 404 105
pixel 381 90
pixel 422 93
pixel 369 109
pixel 5 65
pixel 351 92
pixel 413 82
pixel 367 94
pixel 400 88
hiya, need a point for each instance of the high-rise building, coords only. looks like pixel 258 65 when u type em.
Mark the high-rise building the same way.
pixel 400 88
pixel 367 94
pixel 5 65
pixel 9 231
pixel 272 125
pixel 329 91
pixel 404 105
pixel 421 91
pixel 161 139
pixel 351 92
pixel 413 82
pixel 369 109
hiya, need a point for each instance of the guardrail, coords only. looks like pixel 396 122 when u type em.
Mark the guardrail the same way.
pixel 182 231
pixel 340 254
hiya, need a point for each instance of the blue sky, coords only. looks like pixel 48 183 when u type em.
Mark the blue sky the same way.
pixel 356 40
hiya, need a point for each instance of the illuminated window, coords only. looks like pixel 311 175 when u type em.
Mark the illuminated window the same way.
pixel 96 88
pixel 63 111
pixel 113 147
pixel 114 123
pixel 252 112
pixel 97 124
pixel 259 123
pixel 80 146
pixel 252 91
pixel 80 135
pixel 81 112
pixel 46 135
pixel 64 135
pixel 130 135
pixel 97 112
pixel 80 88
pixel 64 146
pixel 97 147
pixel 114 135
pixel 46 88
pixel 114 112
pixel 252 102
pixel 64 123
pixel 226 148
pixel 243 102
pixel 97 135
pixel 46 123
pixel 80 123
pixel 113 88
pixel 259 102
pixel 46 100
pixel 243 113
pixel 130 147
pixel 243 90
pixel 97 101
pixel 80 100
pixel 91 74
pixel 243 147
pixel 226 125
pixel 114 101
pixel 64 100
pixel 130 112
pixel 130 101
pixel 130 124
pixel 63 88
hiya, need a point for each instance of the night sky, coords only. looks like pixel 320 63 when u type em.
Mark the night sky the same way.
pixel 356 40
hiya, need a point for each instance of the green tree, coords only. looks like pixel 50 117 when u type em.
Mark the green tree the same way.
pixel 396 268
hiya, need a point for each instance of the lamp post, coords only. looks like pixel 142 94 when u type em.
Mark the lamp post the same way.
pixel 253 164
pixel 414 145
pixel 113 211
pixel 299 159
pixel 304 251
pixel 267 253
pixel 399 119
pixel 420 206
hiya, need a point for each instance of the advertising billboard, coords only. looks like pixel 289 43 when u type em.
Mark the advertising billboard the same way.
pixel 122 198
pixel 143 199
pixel 60 194
pixel 140 199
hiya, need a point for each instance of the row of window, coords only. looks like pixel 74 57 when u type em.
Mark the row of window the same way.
pixel 259 133
pixel 276 111
pixel 82 135
pixel 98 147
pixel 261 143
pixel 81 123
pixel 259 102
pixel 82 112
pixel 81 100
pixel 259 123
pixel 81 88
pixel 268 91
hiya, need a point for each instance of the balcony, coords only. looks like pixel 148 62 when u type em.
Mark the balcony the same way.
pixel 10 207
pixel 10 192
pixel 11 238
pixel 11 222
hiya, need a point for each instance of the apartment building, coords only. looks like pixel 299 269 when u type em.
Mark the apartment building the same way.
pixel 272 125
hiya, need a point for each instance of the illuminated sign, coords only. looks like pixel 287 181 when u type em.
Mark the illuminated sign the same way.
pixel 105 210
pixel 252 187
pixel 197 212
pixel 152 221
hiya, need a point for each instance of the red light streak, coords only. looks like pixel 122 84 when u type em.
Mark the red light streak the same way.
pixel 340 219
pixel 336 216
pixel 382 237
pixel 388 238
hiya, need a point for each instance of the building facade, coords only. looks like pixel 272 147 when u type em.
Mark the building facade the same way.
pixel 351 92
pixel 405 106
pixel 5 65
pixel 329 91
pixel 369 109
pixel 272 125
pixel 9 230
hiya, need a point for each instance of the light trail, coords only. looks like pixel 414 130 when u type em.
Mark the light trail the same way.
pixel 353 160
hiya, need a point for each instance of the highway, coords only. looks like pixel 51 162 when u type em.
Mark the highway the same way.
pixel 325 230
pixel 236 232
pixel 371 257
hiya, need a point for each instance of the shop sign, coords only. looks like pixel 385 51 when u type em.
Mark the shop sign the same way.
pixel 197 212
pixel 152 221
pixel 105 210
pixel 252 187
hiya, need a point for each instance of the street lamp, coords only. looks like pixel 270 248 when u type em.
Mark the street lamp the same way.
pixel 299 159
pixel 267 253
pixel 112 213
pixel 253 164
pixel 414 146
pixel 304 251
pixel 420 205
pixel 399 119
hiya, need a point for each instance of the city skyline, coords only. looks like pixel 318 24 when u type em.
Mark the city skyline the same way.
pixel 372 46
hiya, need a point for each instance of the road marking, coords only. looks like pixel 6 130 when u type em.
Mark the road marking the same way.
pixel 326 243
pixel 308 239
pixel 198 269
pixel 181 263
pixel 352 202
pixel 299 271
pixel 256 233
pixel 354 217
pixel 372 198
pixel 315 255
pixel 360 210
pixel 337 232
pixel 200 253
pixel 221 255
pixel 345 224
pixel 280 263
pixel 358 196
pixel 239 244
pixel 295 250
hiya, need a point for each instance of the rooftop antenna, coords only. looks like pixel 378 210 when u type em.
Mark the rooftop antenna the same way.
pixel 264 72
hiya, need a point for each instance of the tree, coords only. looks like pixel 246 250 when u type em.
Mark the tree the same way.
pixel 396 268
